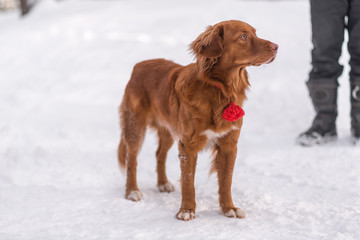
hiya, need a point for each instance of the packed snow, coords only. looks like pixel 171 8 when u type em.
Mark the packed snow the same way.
pixel 63 70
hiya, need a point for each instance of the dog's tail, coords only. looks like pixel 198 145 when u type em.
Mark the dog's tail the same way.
pixel 122 154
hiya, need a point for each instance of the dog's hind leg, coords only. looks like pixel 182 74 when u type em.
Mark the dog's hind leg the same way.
pixel 165 143
pixel 122 153
pixel 133 132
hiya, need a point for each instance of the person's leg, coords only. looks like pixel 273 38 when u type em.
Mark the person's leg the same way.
pixel 328 25
pixel 354 50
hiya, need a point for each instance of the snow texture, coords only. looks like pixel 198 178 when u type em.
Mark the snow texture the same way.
pixel 63 71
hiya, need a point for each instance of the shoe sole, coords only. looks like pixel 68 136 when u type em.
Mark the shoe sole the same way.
pixel 308 142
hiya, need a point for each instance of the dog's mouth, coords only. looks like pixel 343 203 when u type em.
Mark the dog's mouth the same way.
pixel 258 63
pixel 271 60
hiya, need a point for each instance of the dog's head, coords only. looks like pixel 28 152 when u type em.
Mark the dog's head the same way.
pixel 233 43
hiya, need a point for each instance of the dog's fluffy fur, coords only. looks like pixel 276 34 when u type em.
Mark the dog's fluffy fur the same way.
pixel 183 103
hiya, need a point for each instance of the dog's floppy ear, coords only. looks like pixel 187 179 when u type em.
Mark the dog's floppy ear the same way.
pixel 209 43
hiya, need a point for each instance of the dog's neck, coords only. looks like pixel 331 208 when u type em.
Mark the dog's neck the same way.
pixel 232 82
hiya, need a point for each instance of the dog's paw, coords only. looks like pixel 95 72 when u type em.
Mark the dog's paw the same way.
pixel 235 213
pixel 167 187
pixel 134 195
pixel 185 215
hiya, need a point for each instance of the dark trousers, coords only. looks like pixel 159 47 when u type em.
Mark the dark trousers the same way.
pixel 328 27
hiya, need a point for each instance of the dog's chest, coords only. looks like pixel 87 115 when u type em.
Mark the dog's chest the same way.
pixel 213 136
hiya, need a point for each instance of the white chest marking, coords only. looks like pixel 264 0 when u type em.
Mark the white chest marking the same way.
pixel 214 136
pixel 211 135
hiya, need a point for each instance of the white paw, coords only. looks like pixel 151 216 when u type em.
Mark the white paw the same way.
pixel 134 195
pixel 237 212
pixel 185 215
pixel 167 187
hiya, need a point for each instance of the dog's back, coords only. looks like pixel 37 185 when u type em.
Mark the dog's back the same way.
pixel 148 77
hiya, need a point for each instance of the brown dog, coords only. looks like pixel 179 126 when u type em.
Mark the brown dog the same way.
pixel 187 103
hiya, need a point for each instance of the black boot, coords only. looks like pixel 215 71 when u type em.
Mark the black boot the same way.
pixel 323 95
pixel 355 111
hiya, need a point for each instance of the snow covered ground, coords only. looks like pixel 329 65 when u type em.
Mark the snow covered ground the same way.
pixel 63 70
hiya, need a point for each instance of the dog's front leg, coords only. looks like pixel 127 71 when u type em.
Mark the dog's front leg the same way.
pixel 224 163
pixel 188 160
pixel 188 150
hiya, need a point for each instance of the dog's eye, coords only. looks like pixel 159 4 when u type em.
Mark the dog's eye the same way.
pixel 244 36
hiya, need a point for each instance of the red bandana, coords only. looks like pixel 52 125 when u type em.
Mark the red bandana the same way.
pixel 233 112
